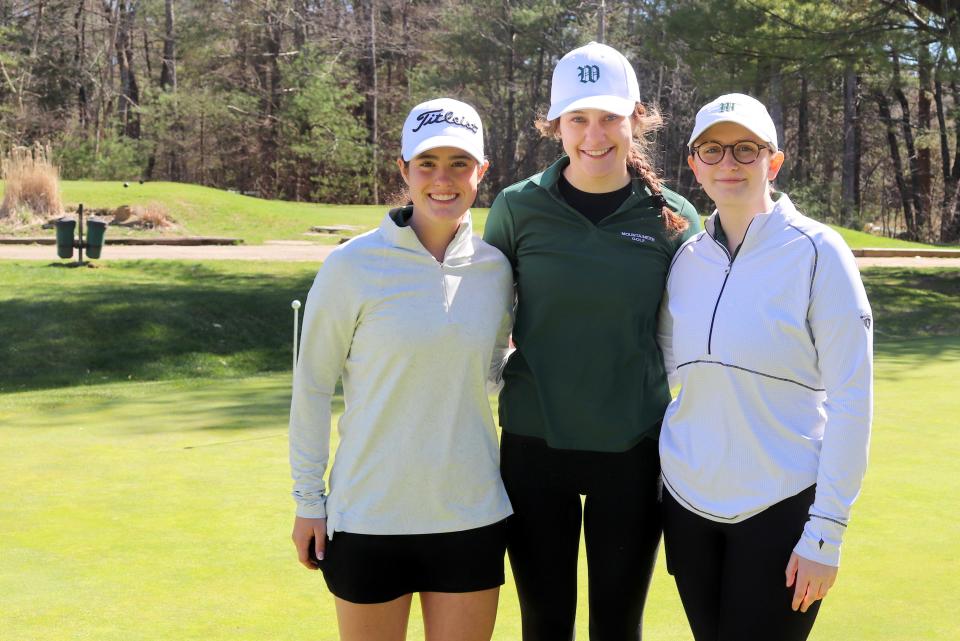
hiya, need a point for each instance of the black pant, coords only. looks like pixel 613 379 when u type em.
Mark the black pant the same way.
pixel 731 576
pixel 621 521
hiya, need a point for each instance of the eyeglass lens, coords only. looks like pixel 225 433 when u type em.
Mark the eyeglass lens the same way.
pixel 744 152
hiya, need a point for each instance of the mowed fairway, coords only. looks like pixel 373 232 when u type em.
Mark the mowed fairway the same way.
pixel 161 509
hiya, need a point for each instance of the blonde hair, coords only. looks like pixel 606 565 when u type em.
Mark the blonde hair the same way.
pixel 638 158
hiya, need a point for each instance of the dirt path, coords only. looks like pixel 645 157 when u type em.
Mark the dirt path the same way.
pixel 304 251
pixel 292 251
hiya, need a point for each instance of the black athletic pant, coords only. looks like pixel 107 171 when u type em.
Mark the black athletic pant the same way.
pixel 621 519
pixel 731 576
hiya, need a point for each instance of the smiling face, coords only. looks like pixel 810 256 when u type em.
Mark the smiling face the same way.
pixel 731 185
pixel 598 143
pixel 443 185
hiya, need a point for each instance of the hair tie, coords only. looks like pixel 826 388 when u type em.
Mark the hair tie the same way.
pixel 659 200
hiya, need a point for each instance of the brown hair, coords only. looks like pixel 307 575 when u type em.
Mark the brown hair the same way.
pixel 638 158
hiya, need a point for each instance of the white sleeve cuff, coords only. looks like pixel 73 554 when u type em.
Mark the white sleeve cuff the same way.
pixel 821 540
pixel 311 509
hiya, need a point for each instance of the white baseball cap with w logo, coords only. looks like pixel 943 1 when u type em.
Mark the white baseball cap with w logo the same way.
pixel 738 108
pixel 443 122
pixel 593 76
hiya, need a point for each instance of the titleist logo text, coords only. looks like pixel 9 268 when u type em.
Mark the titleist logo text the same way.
pixel 438 115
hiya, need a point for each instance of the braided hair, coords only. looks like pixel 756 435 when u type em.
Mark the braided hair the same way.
pixel 638 158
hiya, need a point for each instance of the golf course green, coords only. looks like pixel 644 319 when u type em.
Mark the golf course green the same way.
pixel 143 410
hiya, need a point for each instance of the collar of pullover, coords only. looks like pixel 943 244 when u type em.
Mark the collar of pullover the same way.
pixel 549 180
pixel 397 232
pixel 763 224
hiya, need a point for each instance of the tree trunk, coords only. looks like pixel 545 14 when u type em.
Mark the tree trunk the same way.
pixel 510 135
pixel 848 175
pixel 775 103
pixel 947 203
pixel 920 214
pixel 168 70
pixel 803 136
pixel 129 91
pixel 375 134
pixel 924 164
pixel 883 105
pixel 267 69
pixel 950 218
pixel 79 61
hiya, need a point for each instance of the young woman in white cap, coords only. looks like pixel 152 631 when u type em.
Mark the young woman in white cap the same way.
pixel 414 316
pixel 590 240
pixel 767 325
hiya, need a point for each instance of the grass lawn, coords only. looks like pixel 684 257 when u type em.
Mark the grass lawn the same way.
pixel 145 320
pixel 205 211
pixel 159 509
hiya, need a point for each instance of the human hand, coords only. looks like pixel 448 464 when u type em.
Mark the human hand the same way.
pixel 309 533
pixel 812 580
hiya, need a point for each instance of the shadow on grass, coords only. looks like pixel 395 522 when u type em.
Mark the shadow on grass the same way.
pixel 254 403
pixel 897 359
pixel 160 320
pixel 147 321
pixel 912 303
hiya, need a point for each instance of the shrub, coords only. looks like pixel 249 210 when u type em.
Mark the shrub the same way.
pixel 32 184
pixel 152 216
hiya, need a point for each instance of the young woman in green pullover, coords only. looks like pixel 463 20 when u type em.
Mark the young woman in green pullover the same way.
pixel 590 240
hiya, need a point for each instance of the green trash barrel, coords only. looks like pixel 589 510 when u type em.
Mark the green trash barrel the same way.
pixel 65 227
pixel 95 231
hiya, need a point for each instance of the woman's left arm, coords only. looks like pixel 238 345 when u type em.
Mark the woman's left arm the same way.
pixel 841 325
pixel 502 348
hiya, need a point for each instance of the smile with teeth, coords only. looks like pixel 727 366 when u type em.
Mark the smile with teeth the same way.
pixel 596 153
pixel 443 197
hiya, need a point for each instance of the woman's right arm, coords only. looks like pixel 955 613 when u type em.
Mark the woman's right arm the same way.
pixel 665 340
pixel 329 320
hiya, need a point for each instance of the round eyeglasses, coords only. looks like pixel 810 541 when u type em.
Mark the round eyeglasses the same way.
pixel 744 151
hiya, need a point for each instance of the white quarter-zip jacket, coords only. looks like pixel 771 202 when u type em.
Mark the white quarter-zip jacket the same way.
pixel 413 339
pixel 774 351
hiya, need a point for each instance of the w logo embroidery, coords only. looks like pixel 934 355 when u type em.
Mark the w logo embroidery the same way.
pixel 589 73
pixel 727 106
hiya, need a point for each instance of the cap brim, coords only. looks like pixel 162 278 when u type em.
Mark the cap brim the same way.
pixel 614 104
pixel 743 122
pixel 444 141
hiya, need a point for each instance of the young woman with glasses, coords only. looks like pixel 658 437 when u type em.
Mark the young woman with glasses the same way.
pixel 767 327
pixel 590 240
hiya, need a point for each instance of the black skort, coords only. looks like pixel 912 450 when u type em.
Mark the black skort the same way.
pixel 376 568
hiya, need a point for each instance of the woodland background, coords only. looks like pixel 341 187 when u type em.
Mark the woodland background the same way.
pixel 304 100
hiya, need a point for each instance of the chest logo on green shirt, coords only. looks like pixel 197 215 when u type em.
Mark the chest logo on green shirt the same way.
pixel 638 238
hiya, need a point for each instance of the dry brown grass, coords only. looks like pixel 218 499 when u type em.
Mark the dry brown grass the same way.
pixel 153 216
pixel 32 185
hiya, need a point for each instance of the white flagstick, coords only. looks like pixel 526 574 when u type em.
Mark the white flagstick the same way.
pixel 296 319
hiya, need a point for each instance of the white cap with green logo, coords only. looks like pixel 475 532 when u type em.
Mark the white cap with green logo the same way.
pixel 593 76
pixel 738 108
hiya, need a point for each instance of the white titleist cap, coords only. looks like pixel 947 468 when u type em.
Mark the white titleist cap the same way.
pixel 594 76
pixel 738 108
pixel 443 122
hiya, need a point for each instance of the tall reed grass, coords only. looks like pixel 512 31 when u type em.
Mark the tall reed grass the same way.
pixel 32 185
